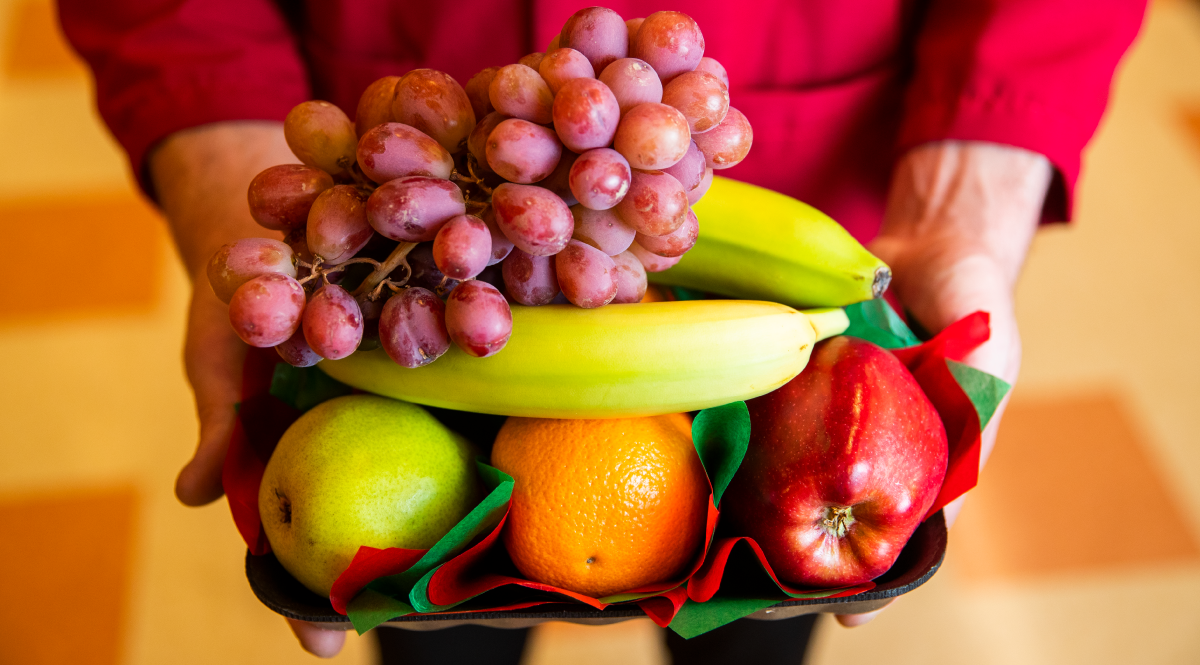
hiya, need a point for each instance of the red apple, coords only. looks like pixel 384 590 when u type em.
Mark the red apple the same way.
pixel 844 461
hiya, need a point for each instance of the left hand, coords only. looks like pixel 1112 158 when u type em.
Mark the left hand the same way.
pixel 960 218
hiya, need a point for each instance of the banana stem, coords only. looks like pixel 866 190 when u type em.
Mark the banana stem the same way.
pixel 883 278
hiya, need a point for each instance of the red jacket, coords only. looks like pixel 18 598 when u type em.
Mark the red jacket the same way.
pixel 835 90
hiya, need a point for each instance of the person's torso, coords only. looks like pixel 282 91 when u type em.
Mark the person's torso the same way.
pixel 819 81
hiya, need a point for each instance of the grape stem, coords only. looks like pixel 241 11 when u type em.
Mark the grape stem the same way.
pixel 317 271
pixel 473 178
pixel 394 260
pixel 361 259
pixel 314 269
pixel 394 287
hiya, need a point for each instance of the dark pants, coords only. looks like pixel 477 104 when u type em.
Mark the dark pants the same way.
pixel 776 642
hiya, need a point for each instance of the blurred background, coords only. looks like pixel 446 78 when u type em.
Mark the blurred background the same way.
pixel 1080 546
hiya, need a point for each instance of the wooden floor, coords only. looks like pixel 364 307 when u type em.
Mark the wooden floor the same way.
pixel 1080 546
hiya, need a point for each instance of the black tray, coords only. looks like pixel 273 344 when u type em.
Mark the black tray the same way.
pixel 919 560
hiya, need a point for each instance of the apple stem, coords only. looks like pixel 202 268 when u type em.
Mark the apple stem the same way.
pixel 838 520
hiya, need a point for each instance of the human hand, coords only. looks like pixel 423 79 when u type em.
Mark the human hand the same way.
pixel 201 176
pixel 959 222
pixel 321 640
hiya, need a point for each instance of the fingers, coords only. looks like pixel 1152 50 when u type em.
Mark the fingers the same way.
pixel 213 356
pixel 856 620
pixel 319 640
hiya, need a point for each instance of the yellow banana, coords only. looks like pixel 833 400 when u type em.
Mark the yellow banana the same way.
pixel 611 362
pixel 755 243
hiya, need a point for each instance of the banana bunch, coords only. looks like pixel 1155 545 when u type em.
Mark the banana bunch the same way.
pixel 611 362
pixel 665 357
pixel 758 244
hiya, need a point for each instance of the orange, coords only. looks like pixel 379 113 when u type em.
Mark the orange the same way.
pixel 602 506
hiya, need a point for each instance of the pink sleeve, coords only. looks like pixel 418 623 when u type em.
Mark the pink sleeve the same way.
pixel 1029 73
pixel 165 65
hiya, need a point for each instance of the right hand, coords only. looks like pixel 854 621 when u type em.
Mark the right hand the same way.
pixel 200 176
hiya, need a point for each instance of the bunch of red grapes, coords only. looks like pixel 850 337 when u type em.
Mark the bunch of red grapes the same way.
pixel 562 178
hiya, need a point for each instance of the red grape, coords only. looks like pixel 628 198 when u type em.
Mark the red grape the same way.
pixel 436 104
pixel 375 105
pixel 586 275
pixel 652 262
pixel 631 278
pixel 602 229
pixel 462 247
pixel 522 152
pixel 700 97
pixel 632 82
pixel 297 240
pixel 631 27
pixel 728 143
pixel 533 218
pixel 370 340
pixel 337 224
pixel 371 308
pixel 477 91
pixel 501 245
pixel 413 208
pixel 321 136
pixel 585 114
pixel 532 60
pixel 477 141
pixel 333 323
pixel 530 280
pixel 478 318
pixel 676 243
pixel 519 92
pixel 715 68
pixel 652 136
pixel 493 275
pixel 696 194
pixel 598 33
pixel 393 150
pixel 423 271
pixel 559 180
pixel 655 205
pixel 296 352
pixel 600 178
pixel 280 196
pixel 689 171
pixel 242 260
pixel 562 65
pixel 412 328
pixel 266 310
pixel 671 42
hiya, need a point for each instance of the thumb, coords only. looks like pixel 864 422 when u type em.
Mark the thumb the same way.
pixel 321 640
pixel 856 620
pixel 213 356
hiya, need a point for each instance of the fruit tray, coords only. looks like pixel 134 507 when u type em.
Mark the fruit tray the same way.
pixel 919 560
pixel 965 400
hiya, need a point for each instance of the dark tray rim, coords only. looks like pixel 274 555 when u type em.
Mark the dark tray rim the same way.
pixel 921 558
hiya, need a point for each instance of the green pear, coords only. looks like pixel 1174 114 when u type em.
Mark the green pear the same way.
pixel 362 470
